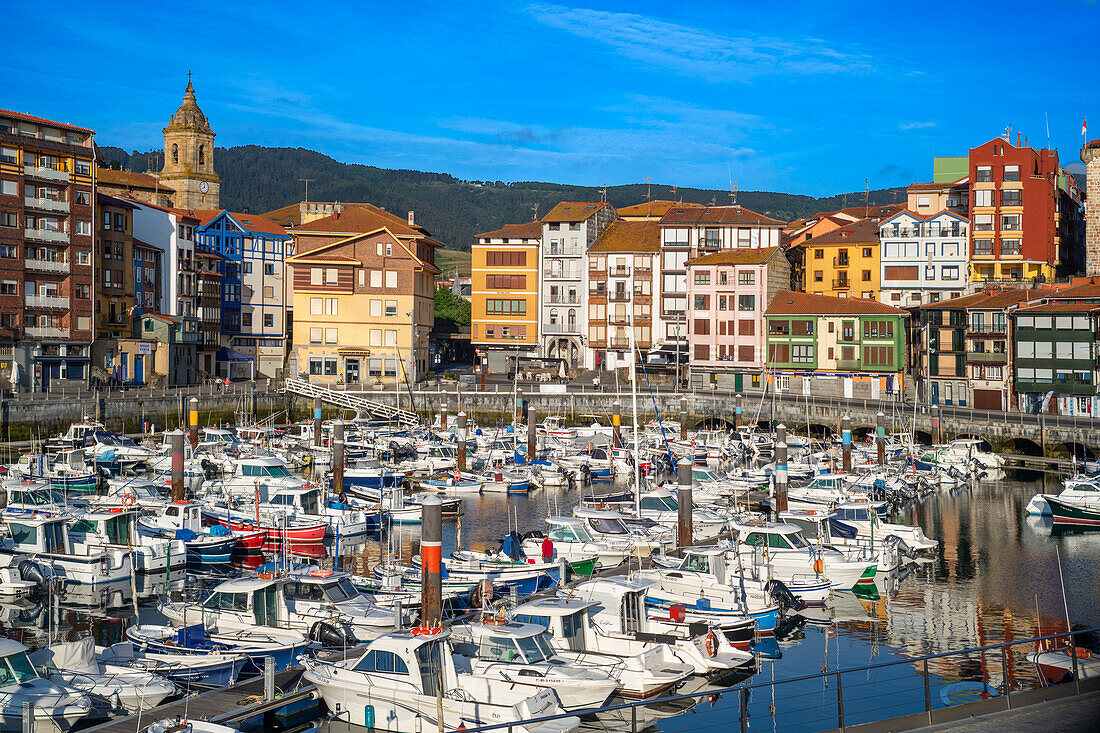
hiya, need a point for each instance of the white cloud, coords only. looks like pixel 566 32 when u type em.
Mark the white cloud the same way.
pixel 696 51
pixel 916 125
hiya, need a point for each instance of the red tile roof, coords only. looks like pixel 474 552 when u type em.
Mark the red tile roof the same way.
pixel 791 302
pixel 994 298
pixel 653 209
pixel 527 230
pixel 736 257
pixel 108 200
pixel 864 231
pixel 574 211
pixel 629 236
pixel 42 121
pixel 1062 308
pixel 702 215
pixel 129 179
pixel 363 218
pixel 251 222
pixel 1086 290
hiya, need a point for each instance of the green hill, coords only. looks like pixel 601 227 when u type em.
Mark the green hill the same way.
pixel 258 179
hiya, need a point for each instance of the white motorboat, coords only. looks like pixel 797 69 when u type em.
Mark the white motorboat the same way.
pixel 116 529
pixel 47 538
pixel 404 678
pixel 609 524
pixel 791 557
pixel 112 689
pixel 522 654
pixel 1084 493
pixel 865 520
pixel 56 707
pixel 574 542
pixel 644 668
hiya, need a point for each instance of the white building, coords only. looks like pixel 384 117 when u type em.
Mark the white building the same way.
pixel 923 258
pixel 173 232
pixel 567 232
pixel 690 231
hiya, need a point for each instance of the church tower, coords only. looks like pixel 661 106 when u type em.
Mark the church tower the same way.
pixel 189 157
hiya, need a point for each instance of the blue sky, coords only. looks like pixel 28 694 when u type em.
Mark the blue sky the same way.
pixel 803 97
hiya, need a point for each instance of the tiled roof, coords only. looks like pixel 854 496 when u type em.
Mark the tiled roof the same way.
pixel 251 222
pixel 988 299
pixel 1062 308
pixel 652 209
pixel 864 231
pixel 129 179
pixel 360 219
pixel 736 257
pixel 109 200
pixel 1087 290
pixel 527 230
pixel 791 302
pixel 287 216
pixel 629 236
pixel 716 215
pixel 42 121
pixel 574 211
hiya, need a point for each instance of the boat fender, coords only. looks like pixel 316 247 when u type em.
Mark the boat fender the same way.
pixel 1082 653
pixel 424 630
pixel 819 566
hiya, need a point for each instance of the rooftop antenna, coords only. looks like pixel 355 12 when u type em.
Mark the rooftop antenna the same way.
pixel 1046 116
pixel 713 200
pixel 733 193
pixel 866 196
pixel 1008 134
pixel 674 194
pixel 535 208
pixel 603 194
pixel 306 181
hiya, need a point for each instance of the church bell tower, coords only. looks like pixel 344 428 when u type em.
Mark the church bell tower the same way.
pixel 189 157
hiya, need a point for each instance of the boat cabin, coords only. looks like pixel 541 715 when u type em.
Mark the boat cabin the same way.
pixel 31 496
pixel 39 533
pixel 262 468
pixel 618 604
pixel 75 437
pixel 603 521
pixel 514 641
pixel 114 527
pixel 705 560
pixel 659 500
pixel 305 499
pixel 568 530
pixel 15 666
pixel 567 619
pixel 184 515
pixel 414 659
pixel 773 535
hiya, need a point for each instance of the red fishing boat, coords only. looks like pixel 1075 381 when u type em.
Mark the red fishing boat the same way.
pixel 250 539
pixel 275 531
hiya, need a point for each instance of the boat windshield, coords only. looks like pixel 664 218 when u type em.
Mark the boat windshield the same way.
pixel 112 439
pixel 536 648
pixel 797 540
pixel 607 525
pixel 16 668
pixel 659 503
pixel 342 590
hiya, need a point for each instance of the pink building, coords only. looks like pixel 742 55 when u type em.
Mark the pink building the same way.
pixel 728 292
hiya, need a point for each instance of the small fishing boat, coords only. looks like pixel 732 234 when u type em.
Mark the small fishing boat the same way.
pixel 182 521
pixel 283 645
pixel 47 539
pixel 1071 512
pixel 219 669
pixel 1056 665
pixel 510 556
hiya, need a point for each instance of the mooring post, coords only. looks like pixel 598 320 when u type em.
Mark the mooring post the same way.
pixel 269 677
pixel 431 554
pixel 780 477
pixel 683 417
pixel 780 433
pixel 338 458
pixel 846 442
pixel 461 441
pixel 193 421
pixel 936 438
pixel 443 417
pixel 880 437
pixel 28 716
pixel 683 497
pixel 532 434
pixel 616 424
pixel 175 441
pixel 736 411
pixel 317 422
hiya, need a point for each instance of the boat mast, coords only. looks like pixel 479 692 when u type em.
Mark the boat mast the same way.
pixel 634 407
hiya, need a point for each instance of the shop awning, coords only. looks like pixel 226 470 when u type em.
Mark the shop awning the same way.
pixel 227 354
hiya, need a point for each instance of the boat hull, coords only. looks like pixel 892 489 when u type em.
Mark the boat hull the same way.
pixel 1073 514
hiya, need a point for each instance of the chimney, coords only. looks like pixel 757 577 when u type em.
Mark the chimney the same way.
pixel 412 221
pixel 1017 138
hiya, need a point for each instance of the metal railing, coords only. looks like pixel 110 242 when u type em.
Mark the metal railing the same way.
pixel 824 701
pixel 46 174
pixel 46 204
pixel 46 301
pixel 46 235
pixel 47 332
pixel 47 265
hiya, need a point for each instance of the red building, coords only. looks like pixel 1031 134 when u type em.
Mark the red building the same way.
pixel 1027 222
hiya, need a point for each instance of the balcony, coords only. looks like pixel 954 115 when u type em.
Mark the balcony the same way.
pixel 619 272
pixel 621 295
pixel 47 332
pixel 47 302
pixel 924 232
pixel 848 364
pixel 987 357
pixel 46 235
pixel 563 300
pixel 561 328
pixel 840 262
pixel 44 204
pixel 841 284
pixel 618 343
pixel 47 265
pixel 45 174
pixel 561 274
pixel 564 251
pixel 620 319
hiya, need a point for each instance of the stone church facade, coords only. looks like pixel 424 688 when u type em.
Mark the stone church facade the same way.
pixel 189 157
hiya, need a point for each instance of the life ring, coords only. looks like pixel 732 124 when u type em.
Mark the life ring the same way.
pixel 128 500
pixel 319 573
pixel 424 631
pixel 494 620
pixel 1081 652
pixel 712 645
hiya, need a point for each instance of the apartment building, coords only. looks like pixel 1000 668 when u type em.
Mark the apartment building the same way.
pixel 47 214
pixel 1027 220
pixel 844 262
pixel 924 257
pixel 253 251
pixel 364 285
pixel 504 296
pixel 693 231
pixel 148 277
pixel 114 255
pixel 207 273
pixel 728 292
pixel 567 232
pixel 621 286
pixel 962 348
pixel 848 347
pixel 171 231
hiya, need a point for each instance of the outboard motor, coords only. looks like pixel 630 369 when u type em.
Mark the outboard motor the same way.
pixel 329 633
pixel 782 595
pixel 102 483
pixel 902 546
pixel 209 468
pixel 35 572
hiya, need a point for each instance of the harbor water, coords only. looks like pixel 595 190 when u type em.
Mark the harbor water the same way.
pixel 997 575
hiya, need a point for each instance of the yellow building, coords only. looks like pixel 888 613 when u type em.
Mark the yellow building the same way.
pixel 505 294
pixel 364 296
pixel 844 263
